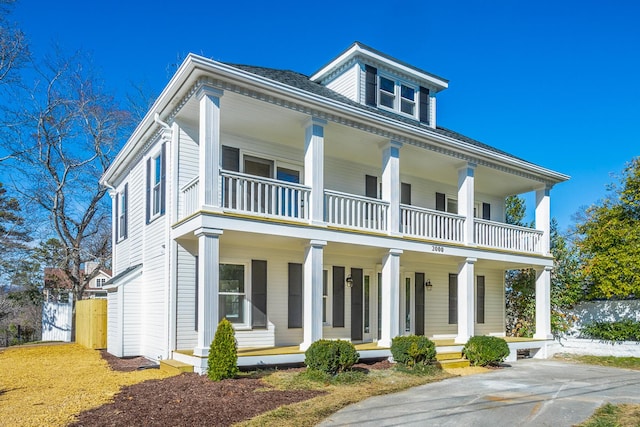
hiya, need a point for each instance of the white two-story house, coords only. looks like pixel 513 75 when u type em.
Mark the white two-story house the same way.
pixel 300 208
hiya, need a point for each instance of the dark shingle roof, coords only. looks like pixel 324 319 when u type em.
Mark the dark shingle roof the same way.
pixel 301 81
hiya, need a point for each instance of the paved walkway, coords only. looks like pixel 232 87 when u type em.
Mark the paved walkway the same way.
pixel 529 393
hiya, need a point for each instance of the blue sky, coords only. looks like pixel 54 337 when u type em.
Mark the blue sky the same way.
pixel 554 82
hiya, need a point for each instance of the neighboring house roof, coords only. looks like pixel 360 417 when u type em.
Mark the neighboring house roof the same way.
pixel 301 81
pixel 55 278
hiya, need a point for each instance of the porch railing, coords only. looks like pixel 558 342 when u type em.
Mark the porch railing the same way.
pixel 270 197
pixel 430 224
pixel 506 236
pixel 190 197
pixel 351 211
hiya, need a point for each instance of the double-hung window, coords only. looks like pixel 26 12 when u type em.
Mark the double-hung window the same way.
pixel 387 92
pixel 233 294
pixel 122 209
pixel 397 96
pixel 156 177
pixel 407 100
pixel 100 282
pixel 156 184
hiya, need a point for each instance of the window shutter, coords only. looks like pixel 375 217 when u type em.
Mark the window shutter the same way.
pixel 405 193
pixel 258 294
pixel 419 330
pixel 424 105
pixel 230 158
pixel 338 297
pixel 117 218
pixel 295 295
pixel 371 85
pixel 125 226
pixel 163 179
pixel 148 203
pixel 453 299
pixel 486 211
pixel 440 202
pixel 480 299
pixel 371 186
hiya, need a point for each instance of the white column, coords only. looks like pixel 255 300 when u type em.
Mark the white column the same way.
pixel 209 134
pixel 466 300
pixel 208 286
pixel 314 168
pixel 312 293
pixel 466 199
pixel 391 183
pixel 390 297
pixel 543 218
pixel 543 304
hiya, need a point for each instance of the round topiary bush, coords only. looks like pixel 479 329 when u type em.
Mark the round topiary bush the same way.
pixel 223 353
pixel 486 350
pixel 331 356
pixel 413 350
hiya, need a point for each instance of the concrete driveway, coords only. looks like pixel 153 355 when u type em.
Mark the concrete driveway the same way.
pixel 529 393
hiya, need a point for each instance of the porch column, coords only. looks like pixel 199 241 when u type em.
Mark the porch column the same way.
pixel 466 299
pixel 208 285
pixel 314 168
pixel 543 304
pixel 390 297
pixel 391 184
pixel 466 199
pixel 209 135
pixel 543 218
pixel 312 294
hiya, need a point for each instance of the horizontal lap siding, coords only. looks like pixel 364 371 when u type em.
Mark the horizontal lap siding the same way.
pixel 114 339
pixel 129 251
pixel 346 176
pixel 437 299
pixel 188 157
pixel 346 83
pixel 494 303
pixel 186 335
pixel 268 149
pixel 132 319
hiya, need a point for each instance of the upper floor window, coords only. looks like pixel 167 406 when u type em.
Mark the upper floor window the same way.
pixel 100 281
pixel 156 174
pixel 122 208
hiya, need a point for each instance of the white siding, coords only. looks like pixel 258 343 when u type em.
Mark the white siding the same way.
pixel 346 83
pixel 186 335
pixel 494 305
pixel 188 154
pixel 114 338
pixel 132 318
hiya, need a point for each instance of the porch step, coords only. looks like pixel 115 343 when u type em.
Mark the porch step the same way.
pixel 174 366
pixel 453 363
pixel 448 356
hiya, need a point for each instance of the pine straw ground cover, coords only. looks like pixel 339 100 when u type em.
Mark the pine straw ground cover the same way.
pixel 46 385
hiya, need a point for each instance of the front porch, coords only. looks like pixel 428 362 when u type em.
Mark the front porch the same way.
pixel 287 355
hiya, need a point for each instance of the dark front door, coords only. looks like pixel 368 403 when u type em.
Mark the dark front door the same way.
pixel 356 304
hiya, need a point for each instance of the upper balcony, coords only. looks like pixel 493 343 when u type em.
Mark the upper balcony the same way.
pixel 278 199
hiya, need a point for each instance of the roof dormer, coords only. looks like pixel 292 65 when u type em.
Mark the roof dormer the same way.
pixel 372 78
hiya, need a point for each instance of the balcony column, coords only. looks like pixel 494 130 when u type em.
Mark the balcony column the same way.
pixel 312 294
pixel 543 304
pixel 466 200
pixel 314 168
pixel 391 184
pixel 543 218
pixel 390 297
pixel 466 299
pixel 208 286
pixel 209 141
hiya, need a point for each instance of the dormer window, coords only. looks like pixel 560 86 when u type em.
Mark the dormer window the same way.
pixel 397 96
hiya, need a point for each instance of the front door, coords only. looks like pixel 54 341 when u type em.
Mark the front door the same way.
pixel 357 293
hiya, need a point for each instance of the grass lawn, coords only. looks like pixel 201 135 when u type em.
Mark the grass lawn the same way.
pixel 623 415
pixel 46 385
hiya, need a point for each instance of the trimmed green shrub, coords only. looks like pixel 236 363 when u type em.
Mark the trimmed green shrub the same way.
pixel 413 350
pixel 331 356
pixel 623 330
pixel 223 353
pixel 486 350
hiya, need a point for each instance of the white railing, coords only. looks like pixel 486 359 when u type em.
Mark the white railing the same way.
pixel 430 224
pixel 349 210
pixel 506 236
pixel 264 196
pixel 190 197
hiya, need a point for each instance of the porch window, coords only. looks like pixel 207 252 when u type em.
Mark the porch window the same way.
pixel 232 294
pixel 480 292
pixel 325 297
pixel 407 304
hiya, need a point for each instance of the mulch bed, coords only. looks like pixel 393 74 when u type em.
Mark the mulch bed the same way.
pixel 191 399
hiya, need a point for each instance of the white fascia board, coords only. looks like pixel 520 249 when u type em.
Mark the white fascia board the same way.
pixel 357 49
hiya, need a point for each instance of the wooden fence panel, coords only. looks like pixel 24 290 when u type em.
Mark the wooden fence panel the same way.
pixel 91 323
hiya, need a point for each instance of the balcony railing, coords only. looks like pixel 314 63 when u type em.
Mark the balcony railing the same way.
pixel 430 224
pixel 264 196
pixel 280 199
pixel 351 211
pixel 505 236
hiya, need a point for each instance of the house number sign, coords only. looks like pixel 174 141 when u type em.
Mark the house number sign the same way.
pixel 438 248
